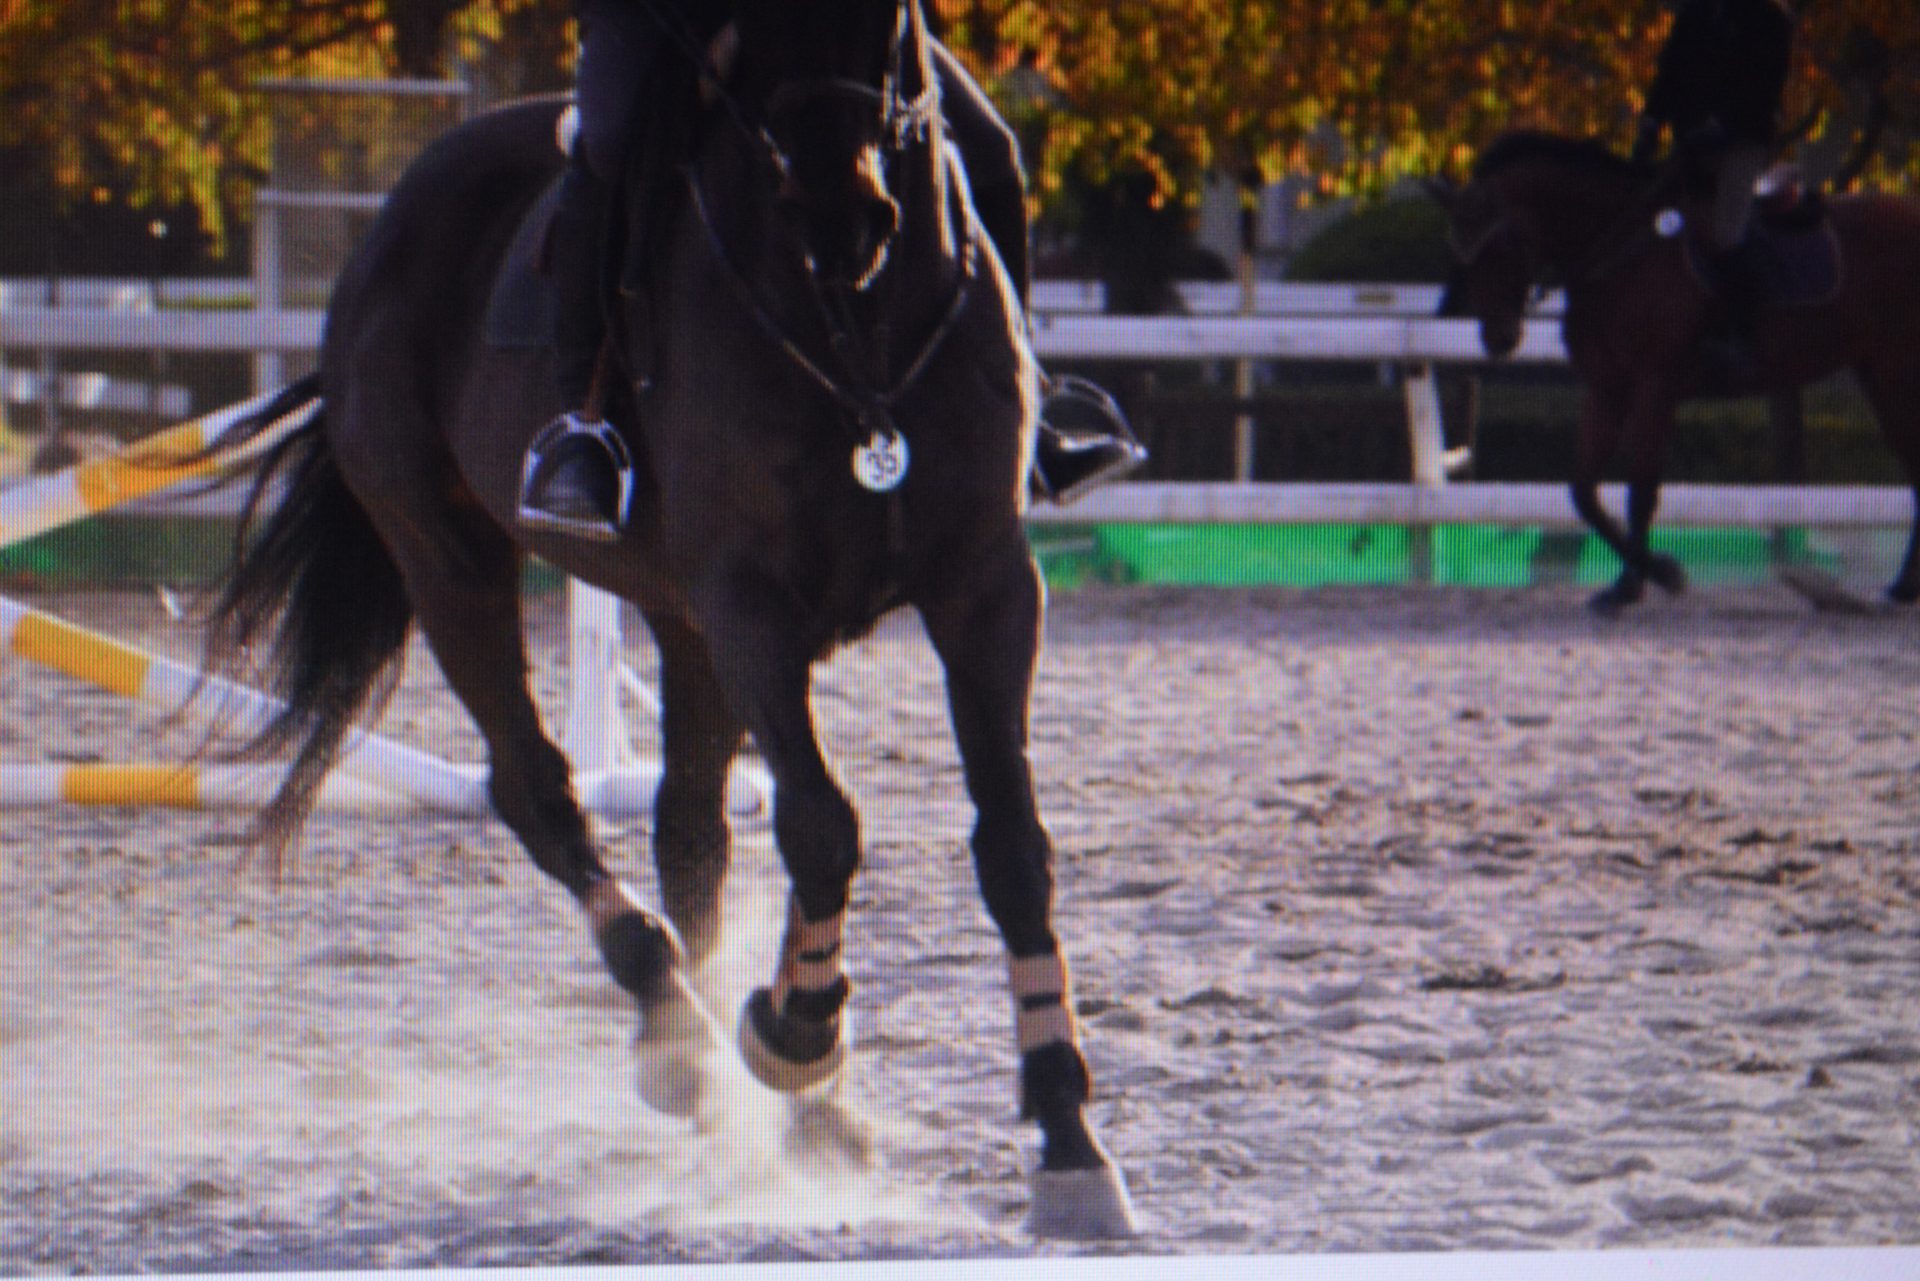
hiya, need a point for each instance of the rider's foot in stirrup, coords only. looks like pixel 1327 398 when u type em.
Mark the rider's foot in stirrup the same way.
pixel 577 479
pixel 1084 441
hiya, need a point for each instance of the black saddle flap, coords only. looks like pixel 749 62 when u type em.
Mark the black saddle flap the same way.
pixel 521 306
pixel 1796 259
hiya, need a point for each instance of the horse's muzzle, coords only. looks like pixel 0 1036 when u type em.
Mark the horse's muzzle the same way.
pixel 1500 335
pixel 846 241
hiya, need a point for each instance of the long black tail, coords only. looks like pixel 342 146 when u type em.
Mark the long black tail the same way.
pixel 310 572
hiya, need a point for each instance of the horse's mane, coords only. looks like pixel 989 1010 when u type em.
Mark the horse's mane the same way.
pixel 1528 146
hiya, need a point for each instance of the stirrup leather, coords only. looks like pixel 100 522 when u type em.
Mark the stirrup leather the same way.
pixel 602 433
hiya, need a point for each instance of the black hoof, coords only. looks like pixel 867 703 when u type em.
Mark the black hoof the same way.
pixel 1903 593
pixel 1667 574
pixel 785 1052
pixel 1611 600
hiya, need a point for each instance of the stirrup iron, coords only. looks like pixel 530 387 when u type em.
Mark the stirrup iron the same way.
pixel 602 433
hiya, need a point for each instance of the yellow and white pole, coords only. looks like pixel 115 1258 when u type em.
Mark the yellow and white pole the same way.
pixel 122 669
pixel 179 786
pixel 149 466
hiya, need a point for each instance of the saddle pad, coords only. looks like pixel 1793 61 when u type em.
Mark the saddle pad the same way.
pixel 521 306
pixel 1798 266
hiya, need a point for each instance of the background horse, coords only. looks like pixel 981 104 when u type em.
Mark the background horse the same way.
pixel 835 409
pixel 1538 205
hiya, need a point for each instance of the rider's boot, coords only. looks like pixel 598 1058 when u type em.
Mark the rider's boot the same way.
pixel 1084 441
pixel 1730 341
pixel 577 476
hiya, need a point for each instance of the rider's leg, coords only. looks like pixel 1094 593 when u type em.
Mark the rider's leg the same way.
pixel 577 476
pixel 1735 272
pixel 1084 439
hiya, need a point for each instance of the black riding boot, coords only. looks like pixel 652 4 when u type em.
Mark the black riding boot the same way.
pixel 1730 342
pixel 1084 440
pixel 577 477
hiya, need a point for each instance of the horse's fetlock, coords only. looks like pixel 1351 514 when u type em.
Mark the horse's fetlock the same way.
pixel 1054 1080
pixel 640 953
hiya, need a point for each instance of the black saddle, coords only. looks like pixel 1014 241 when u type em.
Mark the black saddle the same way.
pixel 521 306
pixel 1792 246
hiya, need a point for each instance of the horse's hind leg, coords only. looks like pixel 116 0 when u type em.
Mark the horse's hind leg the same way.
pixel 989 645
pixel 466 592
pixel 700 737
pixel 1905 588
pixel 1895 397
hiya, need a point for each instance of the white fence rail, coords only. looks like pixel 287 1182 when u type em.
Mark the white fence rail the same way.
pixel 1391 324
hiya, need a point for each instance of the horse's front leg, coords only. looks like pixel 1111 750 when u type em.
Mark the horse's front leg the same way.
pixel 1648 428
pixel 1603 420
pixel 989 643
pixel 790 1031
pixel 470 613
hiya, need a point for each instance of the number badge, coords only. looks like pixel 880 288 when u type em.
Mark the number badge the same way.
pixel 881 464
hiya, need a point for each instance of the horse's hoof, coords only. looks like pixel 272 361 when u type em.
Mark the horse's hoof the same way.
pixel 1609 601
pixel 788 1054
pixel 672 1078
pixel 1667 574
pixel 1081 1205
pixel 1903 593
pixel 677 1038
pixel 1823 591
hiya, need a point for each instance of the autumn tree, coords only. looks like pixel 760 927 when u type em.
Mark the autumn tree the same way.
pixel 154 101
pixel 1154 96
pixel 1136 103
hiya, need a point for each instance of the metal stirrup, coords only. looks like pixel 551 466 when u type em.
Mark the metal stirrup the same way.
pixel 602 433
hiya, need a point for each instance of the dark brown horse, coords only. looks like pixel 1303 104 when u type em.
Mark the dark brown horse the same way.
pixel 834 410
pixel 1538 205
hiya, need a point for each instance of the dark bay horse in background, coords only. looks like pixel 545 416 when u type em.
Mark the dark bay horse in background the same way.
pixel 1537 204
pixel 823 307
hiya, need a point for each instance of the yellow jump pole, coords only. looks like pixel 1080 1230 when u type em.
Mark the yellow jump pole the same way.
pixel 149 466
pixel 133 673
pixel 179 786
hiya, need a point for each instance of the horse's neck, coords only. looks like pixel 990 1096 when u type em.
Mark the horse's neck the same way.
pixel 1575 214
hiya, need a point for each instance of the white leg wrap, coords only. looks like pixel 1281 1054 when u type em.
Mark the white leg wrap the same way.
pixel 809 955
pixel 1042 1001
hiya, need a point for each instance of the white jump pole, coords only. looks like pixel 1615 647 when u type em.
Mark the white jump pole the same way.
pixel 150 466
pixel 180 787
pixel 130 672
pixel 611 777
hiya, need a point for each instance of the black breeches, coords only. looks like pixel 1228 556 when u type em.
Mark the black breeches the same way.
pixel 620 47
pixel 992 156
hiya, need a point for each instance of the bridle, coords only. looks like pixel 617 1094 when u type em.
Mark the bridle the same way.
pixel 855 370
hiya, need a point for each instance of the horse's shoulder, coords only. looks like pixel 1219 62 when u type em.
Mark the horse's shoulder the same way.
pixel 517 136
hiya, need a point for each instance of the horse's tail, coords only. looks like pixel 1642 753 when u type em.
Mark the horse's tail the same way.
pixel 311 570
